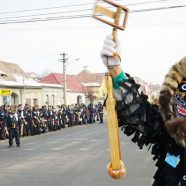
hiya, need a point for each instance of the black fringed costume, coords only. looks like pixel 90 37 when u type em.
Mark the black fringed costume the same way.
pixel 143 120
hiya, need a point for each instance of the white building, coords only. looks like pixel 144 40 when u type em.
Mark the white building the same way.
pixel 16 87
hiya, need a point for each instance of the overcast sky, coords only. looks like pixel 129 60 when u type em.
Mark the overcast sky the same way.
pixel 152 42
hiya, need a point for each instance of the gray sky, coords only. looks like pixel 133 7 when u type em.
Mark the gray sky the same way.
pixel 151 43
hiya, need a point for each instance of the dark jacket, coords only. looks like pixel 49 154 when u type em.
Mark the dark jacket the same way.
pixel 12 120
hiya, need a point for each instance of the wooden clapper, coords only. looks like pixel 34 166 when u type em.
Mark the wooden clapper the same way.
pixel 112 17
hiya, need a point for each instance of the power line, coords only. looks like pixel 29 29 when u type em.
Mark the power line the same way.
pixel 72 11
pixel 159 8
pixel 76 5
pixel 46 19
pixel 48 8
pixel 83 15
pixel 149 2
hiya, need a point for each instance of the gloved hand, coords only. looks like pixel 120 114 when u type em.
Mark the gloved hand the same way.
pixel 110 52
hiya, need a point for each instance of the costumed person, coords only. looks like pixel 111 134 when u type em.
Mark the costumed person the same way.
pixel 163 127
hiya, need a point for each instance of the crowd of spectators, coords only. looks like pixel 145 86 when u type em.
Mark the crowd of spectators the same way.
pixel 32 121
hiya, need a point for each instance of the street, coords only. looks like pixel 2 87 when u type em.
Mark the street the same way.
pixel 75 156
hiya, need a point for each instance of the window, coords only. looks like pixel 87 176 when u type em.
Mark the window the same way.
pixel 53 100
pixel 79 99
pixel 35 101
pixel 28 101
pixel 46 99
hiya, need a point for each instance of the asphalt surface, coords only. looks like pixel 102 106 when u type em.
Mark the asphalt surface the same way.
pixel 75 156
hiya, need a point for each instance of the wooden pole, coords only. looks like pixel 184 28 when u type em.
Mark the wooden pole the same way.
pixel 115 167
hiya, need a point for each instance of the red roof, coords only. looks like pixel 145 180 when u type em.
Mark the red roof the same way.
pixel 87 77
pixel 57 78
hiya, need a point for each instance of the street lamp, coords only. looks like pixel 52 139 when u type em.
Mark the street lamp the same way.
pixel 64 60
pixel 76 59
pixel 23 91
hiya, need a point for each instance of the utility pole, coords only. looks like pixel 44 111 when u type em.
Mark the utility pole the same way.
pixel 23 91
pixel 64 60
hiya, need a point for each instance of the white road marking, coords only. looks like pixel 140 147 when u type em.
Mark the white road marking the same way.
pixel 65 146
pixel 3 150
pixel 31 143
pixel 94 140
pixel 84 149
pixel 53 142
pixel 140 150
pixel 81 139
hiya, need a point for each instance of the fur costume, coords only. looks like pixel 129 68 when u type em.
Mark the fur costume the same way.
pixel 163 127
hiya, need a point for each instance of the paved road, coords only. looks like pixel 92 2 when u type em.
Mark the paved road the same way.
pixel 74 156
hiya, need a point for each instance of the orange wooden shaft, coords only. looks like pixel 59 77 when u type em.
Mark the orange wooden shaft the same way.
pixel 113 130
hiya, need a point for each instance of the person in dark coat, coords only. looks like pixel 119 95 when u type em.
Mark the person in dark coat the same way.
pixel 21 120
pixel 29 120
pixel 3 127
pixel 161 127
pixel 13 126
pixel 90 111
pixel 36 119
pixel 100 112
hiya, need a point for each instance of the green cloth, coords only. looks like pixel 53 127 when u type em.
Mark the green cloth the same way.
pixel 121 77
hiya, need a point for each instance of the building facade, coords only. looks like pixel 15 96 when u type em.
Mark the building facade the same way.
pixel 16 87
pixel 94 84
pixel 75 90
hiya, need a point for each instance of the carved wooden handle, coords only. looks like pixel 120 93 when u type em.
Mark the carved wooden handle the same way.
pixel 116 167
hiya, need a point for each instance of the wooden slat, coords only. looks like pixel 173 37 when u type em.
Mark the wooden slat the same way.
pixel 111 14
pixel 105 11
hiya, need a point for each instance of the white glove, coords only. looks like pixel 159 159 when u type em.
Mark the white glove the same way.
pixel 110 52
